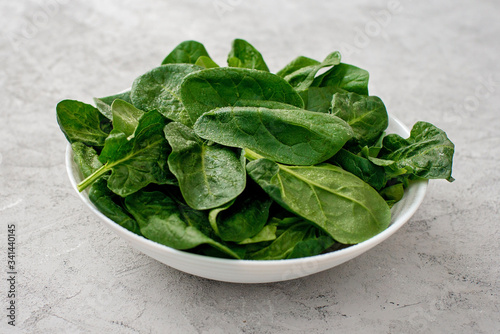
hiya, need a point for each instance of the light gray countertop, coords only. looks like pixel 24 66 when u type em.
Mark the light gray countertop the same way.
pixel 435 62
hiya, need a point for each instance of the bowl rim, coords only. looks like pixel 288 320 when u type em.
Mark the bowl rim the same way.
pixel 418 187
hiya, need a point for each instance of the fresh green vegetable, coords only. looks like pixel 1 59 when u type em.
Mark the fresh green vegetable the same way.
pixel 208 175
pixel 335 200
pixel 159 89
pixel 103 104
pixel 135 162
pixel 299 137
pixel 160 220
pixel 237 162
pixel 187 52
pixel 427 153
pixel 206 90
pixel 81 122
pixel 366 115
pixel 243 54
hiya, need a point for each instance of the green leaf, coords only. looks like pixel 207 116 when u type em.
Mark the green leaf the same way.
pixel 205 62
pixel 110 205
pixel 303 77
pixel 393 193
pixel 187 52
pixel 319 99
pixel 208 175
pixel 104 199
pixel 159 89
pixel 365 114
pixel 125 117
pixel 427 153
pixel 243 218
pixel 103 104
pixel 297 64
pixel 268 233
pixel 86 158
pixel 243 54
pixel 344 206
pixel 297 137
pixel 361 167
pixel 224 87
pixel 344 76
pixel 160 220
pixel 137 161
pixel 81 122
pixel 298 240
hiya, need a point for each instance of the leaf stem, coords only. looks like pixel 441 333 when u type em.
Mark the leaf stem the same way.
pixel 92 178
pixel 251 155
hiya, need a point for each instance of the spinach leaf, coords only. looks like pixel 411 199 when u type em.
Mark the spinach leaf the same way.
pixel 208 175
pixel 427 153
pixel 298 240
pixel 103 104
pixel 297 137
pixel 137 161
pixel 243 218
pixel 303 77
pixel 268 233
pixel 224 87
pixel 125 117
pixel 365 114
pixel 86 158
pixel 161 221
pixel 205 62
pixel 104 199
pixel 319 99
pixel 296 64
pixel 159 88
pixel 243 54
pixel 393 193
pixel 344 206
pixel 110 205
pixel 344 76
pixel 81 122
pixel 187 52
pixel 361 167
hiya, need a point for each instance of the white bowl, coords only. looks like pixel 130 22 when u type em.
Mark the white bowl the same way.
pixel 250 271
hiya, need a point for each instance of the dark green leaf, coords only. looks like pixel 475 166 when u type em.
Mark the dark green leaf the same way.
pixel 205 62
pixel 224 87
pixel 297 137
pixel 303 77
pixel 186 52
pixel 86 158
pixel 268 233
pixel 427 153
pixel 159 88
pixel 160 220
pixel 297 64
pixel 125 117
pixel 361 167
pixel 243 218
pixel 107 202
pixel 81 122
pixel 104 103
pixel 208 175
pixel 298 240
pixel 243 54
pixel 344 76
pixel 319 99
pixel 337 201
pixel 365 114
pixel 137 161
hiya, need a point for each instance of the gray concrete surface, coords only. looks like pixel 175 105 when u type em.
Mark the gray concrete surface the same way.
pixel 428 61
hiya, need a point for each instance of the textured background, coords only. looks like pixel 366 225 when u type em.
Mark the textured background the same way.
pixel 438 63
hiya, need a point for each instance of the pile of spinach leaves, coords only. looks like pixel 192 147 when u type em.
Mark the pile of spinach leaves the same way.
pixel 242 163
